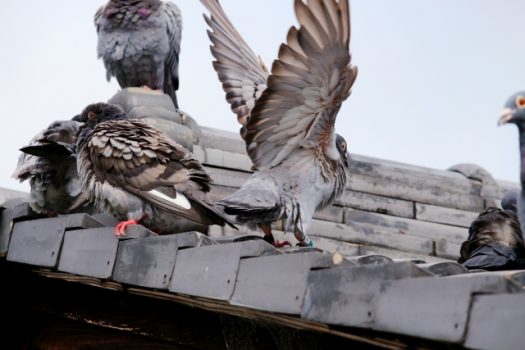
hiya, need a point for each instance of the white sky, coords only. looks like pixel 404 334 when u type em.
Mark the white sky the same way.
pixel 433 75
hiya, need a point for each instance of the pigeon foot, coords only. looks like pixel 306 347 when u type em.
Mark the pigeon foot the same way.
pixel 277 244
pixel 281 244
pixel 120 229
pixel 306 243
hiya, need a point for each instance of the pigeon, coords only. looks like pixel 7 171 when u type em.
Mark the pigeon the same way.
pixel 495 241
pixel 514 113
pixel 137 173
pixel 49 163
pixel 288 115
pixel 139 42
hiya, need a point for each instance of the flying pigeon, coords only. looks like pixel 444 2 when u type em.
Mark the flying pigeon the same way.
pixel 288 115
pixel 495 241
pixel 139 42
pixel 49 163
pixel 514 112
pixel 138 174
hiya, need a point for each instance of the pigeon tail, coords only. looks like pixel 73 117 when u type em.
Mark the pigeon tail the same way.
pixel 49 150
pixel 252 204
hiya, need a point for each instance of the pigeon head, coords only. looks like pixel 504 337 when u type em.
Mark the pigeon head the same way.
pixel 510 200
pixel 77 118
pixel 342 148
pixel 100 112
pixel 514 111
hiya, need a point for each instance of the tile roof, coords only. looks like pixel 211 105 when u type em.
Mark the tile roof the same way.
pixel 384 259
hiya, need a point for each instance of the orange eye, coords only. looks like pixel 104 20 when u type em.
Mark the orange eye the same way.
pixel 343 146
pixel 520 101
pixel 91 115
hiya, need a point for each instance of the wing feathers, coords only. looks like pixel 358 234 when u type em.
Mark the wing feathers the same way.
pixel 308 83
pixel 235 63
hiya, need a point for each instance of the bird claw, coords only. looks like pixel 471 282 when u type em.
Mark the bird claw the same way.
pixel 277 244
pixel 120 229
pixel 281 244
pixel 306 243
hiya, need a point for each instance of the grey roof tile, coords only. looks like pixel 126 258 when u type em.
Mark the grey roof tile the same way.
pixel 38 242
pixel 434 308
pixel 211 271
pixel 497 322
pixel 277 283
pixel 148 262
pixel 346 295
pixel 445 268
pixel 89 252
pixel 10 212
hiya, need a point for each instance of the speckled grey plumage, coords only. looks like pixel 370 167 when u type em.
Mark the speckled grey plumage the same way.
pixel 135 172
pixel 288 115
pixel 139 42
pixel 50 167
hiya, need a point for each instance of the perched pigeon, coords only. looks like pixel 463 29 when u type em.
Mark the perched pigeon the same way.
pixel 138 174
pixel 139 41
pixel 495 241
pixel 514 112
pixel 49 163
pixel 288 115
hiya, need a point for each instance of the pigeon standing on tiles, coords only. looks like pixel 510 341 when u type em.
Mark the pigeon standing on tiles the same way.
pixel 49 163
pixel 288 115
pixel 514 112
pixel 495 241
pixel 139 42
pixel 138 174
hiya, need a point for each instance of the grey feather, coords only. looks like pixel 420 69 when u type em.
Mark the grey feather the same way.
pixel 49 164
pixel 299 161
pixel 133 171
pixel 139 42
pixel 514 113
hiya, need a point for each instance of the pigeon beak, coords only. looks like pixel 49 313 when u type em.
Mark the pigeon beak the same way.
pixel 346 159
pixel 505 116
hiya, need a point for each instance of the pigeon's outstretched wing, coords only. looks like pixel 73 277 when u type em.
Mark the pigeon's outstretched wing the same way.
pixel 240 70
pixel 309 81
pixel 133 156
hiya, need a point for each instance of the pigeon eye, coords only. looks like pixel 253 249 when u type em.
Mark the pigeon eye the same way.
pixel 520 101
pixel 91 115
pixel 343 146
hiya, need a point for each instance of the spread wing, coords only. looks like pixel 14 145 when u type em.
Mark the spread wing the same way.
pixel 240 70
pixel 137 158
pixel 174 28
pixel 308 83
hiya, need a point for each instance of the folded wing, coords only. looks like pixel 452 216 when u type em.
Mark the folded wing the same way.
pixel 139 159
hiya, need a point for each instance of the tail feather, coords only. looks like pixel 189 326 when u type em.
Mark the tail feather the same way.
pixel 49 150
pixel 247 210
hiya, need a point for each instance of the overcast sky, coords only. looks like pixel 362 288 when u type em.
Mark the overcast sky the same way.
pixel 433 75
